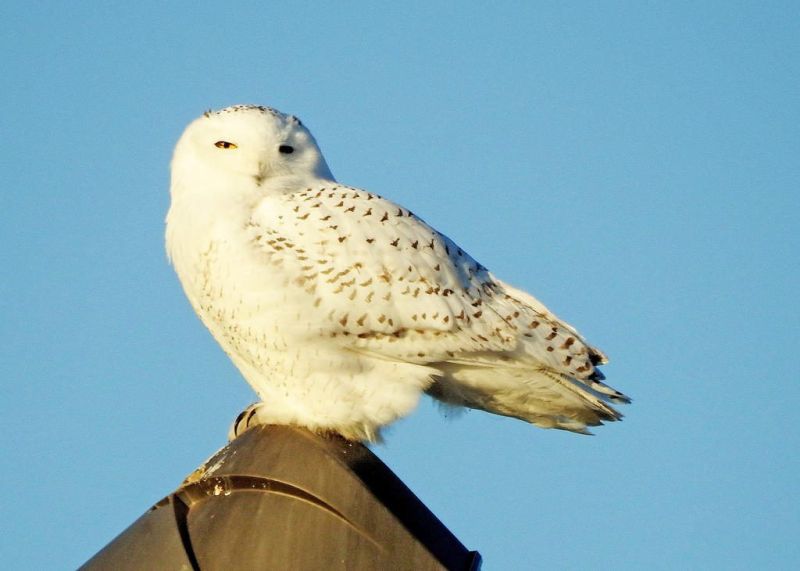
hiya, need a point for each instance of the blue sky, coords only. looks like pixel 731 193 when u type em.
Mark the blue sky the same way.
pixel 633 164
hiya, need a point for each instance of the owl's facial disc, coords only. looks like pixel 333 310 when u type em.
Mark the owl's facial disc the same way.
pixel 262 143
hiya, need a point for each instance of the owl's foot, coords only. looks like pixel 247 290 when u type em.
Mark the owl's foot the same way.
pixel 246 420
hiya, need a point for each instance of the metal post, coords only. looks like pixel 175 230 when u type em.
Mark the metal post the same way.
pixel 280 497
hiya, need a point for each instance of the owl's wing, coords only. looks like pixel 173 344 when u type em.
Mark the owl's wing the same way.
pixel 385 283
pixel 377 275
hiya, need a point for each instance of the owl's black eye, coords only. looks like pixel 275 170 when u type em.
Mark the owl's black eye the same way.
pixel 286 149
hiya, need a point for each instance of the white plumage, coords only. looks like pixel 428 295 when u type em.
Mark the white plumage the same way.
pixel 340 307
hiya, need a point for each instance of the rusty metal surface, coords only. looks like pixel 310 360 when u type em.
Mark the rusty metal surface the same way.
pixel 284 498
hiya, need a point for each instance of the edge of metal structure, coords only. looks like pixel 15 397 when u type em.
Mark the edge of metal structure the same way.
pixel 283 497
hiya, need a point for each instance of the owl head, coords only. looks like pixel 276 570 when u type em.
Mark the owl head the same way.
pixel 246 146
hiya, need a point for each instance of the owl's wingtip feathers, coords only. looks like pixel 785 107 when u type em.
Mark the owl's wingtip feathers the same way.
pixel 606 391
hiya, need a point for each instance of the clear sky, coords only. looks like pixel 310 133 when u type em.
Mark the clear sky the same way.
pixel 635 165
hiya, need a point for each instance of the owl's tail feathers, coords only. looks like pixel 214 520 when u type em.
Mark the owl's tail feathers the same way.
pixel 539 396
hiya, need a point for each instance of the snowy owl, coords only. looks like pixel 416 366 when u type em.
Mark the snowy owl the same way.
pixel 341 307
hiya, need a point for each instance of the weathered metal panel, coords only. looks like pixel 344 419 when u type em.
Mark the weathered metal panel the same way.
pixel 284 498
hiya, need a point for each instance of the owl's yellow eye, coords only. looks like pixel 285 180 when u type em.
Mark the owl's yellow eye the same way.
pixel 226 145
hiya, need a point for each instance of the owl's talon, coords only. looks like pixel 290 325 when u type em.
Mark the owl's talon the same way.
pixel 246 420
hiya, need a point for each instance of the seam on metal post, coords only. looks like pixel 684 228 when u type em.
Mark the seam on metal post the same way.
pixel 181 511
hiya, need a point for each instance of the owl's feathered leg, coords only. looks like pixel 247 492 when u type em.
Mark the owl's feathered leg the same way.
pixel 257 414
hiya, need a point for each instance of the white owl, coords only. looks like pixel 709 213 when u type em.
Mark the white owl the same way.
pixel 341 308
